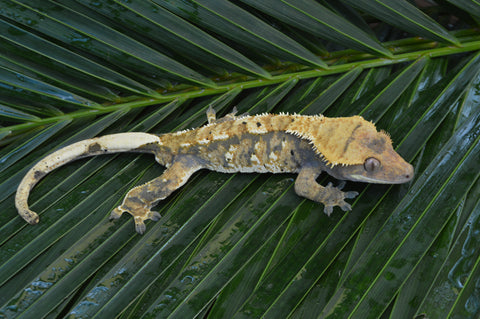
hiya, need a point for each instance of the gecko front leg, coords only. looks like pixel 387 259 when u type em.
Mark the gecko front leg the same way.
pixel 139 200
pixel 307 186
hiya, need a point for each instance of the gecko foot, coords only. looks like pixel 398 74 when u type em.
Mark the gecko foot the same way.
pixel 232 113
pixel 139 216
pixel 211 115
pixel 335 197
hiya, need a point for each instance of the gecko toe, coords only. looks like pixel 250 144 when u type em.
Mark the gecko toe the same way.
pixel 351 194
pixel 341 185
pixel 140 226
pixel 117 213
pixel 345 207
pixel 155 216
pixel 328 210
pixel 211 115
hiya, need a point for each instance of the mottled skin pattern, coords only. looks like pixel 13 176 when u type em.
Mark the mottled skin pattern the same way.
pixel 347 148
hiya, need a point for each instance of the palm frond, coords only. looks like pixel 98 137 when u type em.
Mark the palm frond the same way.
pixel 239 245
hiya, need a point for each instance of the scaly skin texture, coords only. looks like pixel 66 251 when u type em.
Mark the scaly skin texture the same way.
pixel 348 148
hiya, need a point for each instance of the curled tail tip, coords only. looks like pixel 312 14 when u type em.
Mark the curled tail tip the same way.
pixel 29 216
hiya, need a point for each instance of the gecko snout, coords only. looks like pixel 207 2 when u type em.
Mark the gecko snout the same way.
pixel 409 173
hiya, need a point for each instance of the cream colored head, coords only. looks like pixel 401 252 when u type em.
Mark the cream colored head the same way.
pixel 353 149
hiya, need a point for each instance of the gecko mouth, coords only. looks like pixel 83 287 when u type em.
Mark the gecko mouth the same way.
pixel 360 178
pixel 399 179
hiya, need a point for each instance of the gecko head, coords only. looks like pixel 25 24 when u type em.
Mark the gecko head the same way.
pixel 377 161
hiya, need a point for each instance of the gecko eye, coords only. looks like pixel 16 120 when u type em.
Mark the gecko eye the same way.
pixel 371 164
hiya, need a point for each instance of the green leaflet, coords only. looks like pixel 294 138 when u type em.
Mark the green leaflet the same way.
pixel 406 16
pixel 319 21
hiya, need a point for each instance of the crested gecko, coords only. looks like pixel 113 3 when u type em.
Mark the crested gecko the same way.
pixel 347 148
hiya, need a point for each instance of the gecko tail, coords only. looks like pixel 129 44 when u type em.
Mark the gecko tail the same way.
pixel 114 143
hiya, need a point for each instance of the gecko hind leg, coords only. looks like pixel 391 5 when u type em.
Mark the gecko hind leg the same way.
pixel 330 196
pixel 139 200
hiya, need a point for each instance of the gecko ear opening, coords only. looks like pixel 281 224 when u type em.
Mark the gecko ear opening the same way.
pixel 371 164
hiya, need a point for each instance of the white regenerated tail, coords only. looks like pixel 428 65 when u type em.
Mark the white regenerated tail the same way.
pixel 122 142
